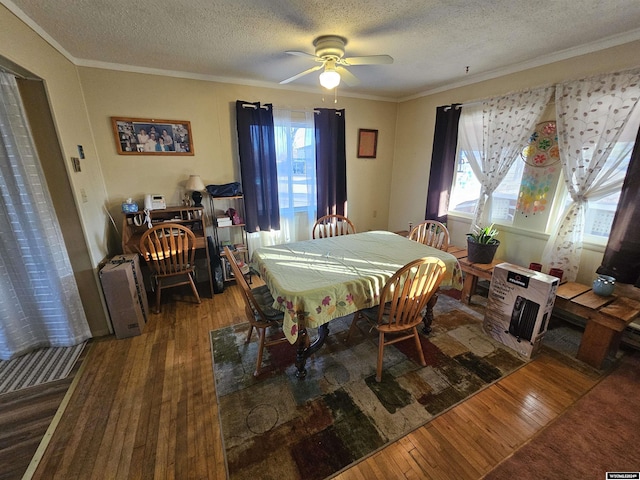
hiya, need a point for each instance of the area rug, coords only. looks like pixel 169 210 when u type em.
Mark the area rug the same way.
pixel 279 427
pixel 38 367
pixel 600 433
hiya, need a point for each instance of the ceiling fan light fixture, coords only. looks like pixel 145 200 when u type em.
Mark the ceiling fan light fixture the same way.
pixel 329 79
pixel 329 54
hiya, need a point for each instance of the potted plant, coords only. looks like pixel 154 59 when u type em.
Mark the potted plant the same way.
pixel 482 244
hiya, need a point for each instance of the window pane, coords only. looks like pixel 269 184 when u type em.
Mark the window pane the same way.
pixel 600 213
pixel 466 188
pixel 296 166
pixel 600 216
pixel 505 197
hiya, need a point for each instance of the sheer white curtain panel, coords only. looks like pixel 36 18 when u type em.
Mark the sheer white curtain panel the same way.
pixel 39 301
pixel 507 123
pixel 592 115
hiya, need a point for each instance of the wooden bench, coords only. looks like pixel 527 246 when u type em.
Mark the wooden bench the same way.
pixel 472 272
pixel 607 318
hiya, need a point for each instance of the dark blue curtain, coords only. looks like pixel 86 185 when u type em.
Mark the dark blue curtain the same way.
pixel 331 162
pixel 257 151
pixel 443 162
pixel 622 255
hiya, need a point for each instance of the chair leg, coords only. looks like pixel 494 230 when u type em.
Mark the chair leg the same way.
pixel 263 334
pixel 195 290
pixel 158 291
pixel 249 333
pixel 380 356
pixel 419 347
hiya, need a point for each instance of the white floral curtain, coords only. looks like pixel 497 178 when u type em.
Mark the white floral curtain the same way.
pixel 39 301
pixel 591 116
pixel 507 123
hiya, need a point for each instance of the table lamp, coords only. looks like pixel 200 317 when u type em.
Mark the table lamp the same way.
pixel 195 183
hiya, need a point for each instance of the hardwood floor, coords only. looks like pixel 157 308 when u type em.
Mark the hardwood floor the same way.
pixel 145 407
pixel 25 416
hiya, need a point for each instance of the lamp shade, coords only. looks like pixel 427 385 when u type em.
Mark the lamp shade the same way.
pixel 329 79
pixel 195 183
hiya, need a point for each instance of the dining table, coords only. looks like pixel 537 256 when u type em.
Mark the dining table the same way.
pixel 316 281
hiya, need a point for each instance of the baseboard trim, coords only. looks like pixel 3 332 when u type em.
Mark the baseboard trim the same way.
pixel 44 443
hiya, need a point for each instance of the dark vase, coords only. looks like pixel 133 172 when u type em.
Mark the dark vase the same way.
pixel 481 252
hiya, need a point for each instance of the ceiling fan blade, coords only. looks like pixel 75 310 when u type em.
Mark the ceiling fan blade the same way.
pixel 348 77
pixel 368 60
pixel 303 54
pixel 302 74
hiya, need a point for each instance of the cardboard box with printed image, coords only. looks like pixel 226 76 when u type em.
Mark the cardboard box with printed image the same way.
pixel 125 295
pixel 519 307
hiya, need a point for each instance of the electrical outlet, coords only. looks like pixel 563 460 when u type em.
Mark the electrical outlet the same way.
pixel 83 195
pixel 375 213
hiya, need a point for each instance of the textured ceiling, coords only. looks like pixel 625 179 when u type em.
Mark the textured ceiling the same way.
pixel 244 41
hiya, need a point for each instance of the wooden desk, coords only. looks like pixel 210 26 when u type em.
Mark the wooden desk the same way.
pixel 607 318
pixel 192 217
pixel 472 271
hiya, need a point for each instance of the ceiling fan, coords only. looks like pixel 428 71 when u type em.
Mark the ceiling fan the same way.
pixel 330 54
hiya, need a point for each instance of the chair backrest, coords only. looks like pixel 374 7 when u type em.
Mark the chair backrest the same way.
pixel 431 233
pixel 407 292
pixel 252 307
pixel 168 249
pixel 332 226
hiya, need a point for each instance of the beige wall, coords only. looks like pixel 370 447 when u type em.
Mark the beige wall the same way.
pixel 414 141
pixel 82 101
pixel 210 108
pixel 386 192
pixel 22 46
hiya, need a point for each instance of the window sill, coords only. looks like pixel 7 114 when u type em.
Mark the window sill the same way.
pixel 591 243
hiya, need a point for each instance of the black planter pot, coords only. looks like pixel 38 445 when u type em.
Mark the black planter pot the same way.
pixel 481 252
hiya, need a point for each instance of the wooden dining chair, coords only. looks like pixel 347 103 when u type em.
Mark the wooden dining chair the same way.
pixel 169 250
pixel 431 233
pixel 332 226
pixel 402 301
pixel 259 309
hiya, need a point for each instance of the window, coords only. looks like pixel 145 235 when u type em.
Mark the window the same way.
pixel 296 170
pixel 505 197
pixel 600 216
pixel 504 202
pixel 466 188
pixel 466 191
pixel 295 159
pixel 600 212
pixel 294 138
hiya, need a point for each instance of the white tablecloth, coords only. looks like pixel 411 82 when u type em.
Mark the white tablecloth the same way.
pixel 315 281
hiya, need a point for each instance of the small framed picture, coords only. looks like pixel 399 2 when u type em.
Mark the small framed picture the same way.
pixel 141 136
pixel 367 143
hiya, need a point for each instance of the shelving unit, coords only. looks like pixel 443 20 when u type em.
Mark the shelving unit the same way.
pixel 134 225
pixel 228 231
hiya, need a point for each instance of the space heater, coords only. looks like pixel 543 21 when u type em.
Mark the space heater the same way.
pixel 523 318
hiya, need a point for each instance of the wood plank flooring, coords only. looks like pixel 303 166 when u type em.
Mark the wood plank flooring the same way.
pixel 25 416
pixel 145 407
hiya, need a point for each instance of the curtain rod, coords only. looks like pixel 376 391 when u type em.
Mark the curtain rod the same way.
pixel 458 106
pixel 294 110
pixel 318 112
pixel 251 105
pixel 16 70
pixel 18 75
